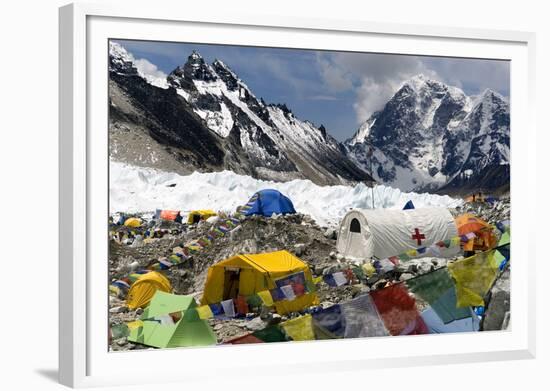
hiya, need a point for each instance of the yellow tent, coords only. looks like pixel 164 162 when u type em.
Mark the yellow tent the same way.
pixel 143 289
pixel 248 274
pixel 197 215
pixel 132 222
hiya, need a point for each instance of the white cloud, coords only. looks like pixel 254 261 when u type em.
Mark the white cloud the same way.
pixel 322 97
pixel 151 73
pixel 373 78
pixel 336 77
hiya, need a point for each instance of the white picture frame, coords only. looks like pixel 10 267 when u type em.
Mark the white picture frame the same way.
pixel 84 30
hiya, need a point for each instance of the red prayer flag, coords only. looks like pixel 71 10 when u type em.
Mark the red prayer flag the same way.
pixel 245 339
pixel 398 310
pixel 299 289
pixel 241 305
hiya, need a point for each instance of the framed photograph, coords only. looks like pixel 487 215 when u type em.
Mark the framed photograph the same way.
pixel 321 194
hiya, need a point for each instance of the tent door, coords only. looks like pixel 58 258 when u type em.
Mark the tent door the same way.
pixel 231 283
pixel 356 242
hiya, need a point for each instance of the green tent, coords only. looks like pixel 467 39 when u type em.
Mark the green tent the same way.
pixel 160 331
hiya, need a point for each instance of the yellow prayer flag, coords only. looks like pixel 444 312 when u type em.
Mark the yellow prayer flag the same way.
pixel 299 329
pixel 412 253
pixel 455 241
pixel 474 277
pixel 317 280
pixel 134 325
pixel 266 298
pixel 114 290
pixel 368 269
pixel 204 312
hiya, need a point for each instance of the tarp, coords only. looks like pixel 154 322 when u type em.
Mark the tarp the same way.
pixel 438 289
pixel 437 326
pixel 202 214
pixel 382 233
pixel 398 310
pixel 188 330
pixel 249 274
pixel 144 288
pixel 299 329
pixel 267 202
pixel 474 277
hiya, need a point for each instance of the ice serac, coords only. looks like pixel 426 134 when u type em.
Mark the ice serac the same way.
pixel 429 134
pixel 151 189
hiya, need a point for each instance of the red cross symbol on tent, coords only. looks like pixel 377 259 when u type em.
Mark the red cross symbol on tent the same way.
pixel 418 236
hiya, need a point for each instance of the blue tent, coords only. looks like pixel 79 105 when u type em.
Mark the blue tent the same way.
pixel 269 201
pixel 409 205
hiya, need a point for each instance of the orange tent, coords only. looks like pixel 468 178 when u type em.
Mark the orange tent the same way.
pixel 169 214
pixel 485 237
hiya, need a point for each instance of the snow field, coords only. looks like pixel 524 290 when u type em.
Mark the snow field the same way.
pixel 136 189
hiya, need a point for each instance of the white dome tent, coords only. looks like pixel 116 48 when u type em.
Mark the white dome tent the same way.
pixel 382 233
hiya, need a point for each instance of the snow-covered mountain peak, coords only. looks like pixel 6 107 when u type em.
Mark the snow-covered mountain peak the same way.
pixel 197 69
pixel 120 60
pixel 195 56
pixel 118 52
pixel 489 96
pixel 421 83
pixel 429 131
pixel 362 134
pixel 222 66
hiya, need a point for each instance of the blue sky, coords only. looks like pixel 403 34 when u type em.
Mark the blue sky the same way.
pixel 337 89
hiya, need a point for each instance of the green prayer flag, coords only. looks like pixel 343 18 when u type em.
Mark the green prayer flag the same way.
pixel 271 334
pixel 310 286
pixel 359 273
pixel 254 301
pixel 438 289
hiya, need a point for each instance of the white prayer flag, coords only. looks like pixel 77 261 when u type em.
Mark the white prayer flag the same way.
pixel 228 308
pixel 288 292
pixel 386 265
pixel 339 278
pixel 435 250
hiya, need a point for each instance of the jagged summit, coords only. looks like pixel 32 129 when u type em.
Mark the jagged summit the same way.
pixel 429 132
pixel 120 60
pixel 263 141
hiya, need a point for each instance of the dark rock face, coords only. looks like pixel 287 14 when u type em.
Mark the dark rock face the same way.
pixel 430 134
pixel 170 123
